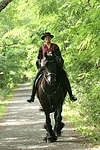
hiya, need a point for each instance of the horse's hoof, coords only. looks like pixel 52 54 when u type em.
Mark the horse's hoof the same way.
pixel 50 139
pixel 58 133
pixel 58 130
pixel 45 139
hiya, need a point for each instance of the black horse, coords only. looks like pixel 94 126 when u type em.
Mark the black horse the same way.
pixel 51 94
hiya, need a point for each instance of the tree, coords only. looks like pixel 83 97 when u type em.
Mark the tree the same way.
pixel 3 4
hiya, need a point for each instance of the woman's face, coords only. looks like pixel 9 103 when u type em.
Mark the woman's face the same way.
pixel 47 39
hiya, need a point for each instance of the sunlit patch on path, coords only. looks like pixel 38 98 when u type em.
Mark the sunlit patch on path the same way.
pixel 22 127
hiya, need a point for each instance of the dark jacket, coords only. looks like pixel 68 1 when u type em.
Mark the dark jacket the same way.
pixel 54 48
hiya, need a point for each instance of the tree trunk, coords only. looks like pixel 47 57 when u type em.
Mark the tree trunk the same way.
pixel 3 4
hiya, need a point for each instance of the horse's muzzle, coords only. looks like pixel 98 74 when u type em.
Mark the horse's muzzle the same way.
pixel 51 79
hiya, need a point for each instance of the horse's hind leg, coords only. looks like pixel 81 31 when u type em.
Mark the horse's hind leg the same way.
pixel 51 137
pixel 58 118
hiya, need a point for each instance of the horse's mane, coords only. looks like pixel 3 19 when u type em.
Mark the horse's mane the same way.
pixel 61 74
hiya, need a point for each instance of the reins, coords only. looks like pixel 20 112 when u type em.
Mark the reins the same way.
pixel 46 80
pixel 49 95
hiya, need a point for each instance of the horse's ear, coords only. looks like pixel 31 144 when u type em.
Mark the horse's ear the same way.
pixel 45 54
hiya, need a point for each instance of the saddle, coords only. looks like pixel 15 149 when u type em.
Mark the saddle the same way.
pixel 37 79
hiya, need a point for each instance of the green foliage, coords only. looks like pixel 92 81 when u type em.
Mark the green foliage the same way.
pixel 76 27
pixel 83 53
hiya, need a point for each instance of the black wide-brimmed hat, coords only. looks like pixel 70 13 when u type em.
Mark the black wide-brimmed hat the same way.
pixel 47 34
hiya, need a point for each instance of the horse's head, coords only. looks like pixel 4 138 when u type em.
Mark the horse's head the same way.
pixel 50 68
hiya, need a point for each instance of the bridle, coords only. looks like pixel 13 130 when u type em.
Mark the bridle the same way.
pixel 49 95
pixel 49 74
pixel 46 79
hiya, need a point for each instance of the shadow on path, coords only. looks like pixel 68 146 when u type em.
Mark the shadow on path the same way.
pixel 22 127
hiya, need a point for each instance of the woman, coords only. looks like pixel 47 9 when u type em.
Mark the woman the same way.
pixel 48 46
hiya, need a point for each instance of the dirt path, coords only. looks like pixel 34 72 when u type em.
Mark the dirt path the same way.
pixel 22 127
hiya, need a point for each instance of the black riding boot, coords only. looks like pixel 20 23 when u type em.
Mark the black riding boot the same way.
pixel 31 99
pixel 34 88
pixel 67 87
pixel 72 97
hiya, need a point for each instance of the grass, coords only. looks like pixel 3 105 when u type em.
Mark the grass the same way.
pixel 2 109
pixel 5 97
pixel 78 119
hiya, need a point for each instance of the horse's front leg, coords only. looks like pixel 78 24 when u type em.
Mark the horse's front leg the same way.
pixel 58 118
pixel 51 137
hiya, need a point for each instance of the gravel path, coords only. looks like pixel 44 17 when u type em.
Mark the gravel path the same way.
pixel 22 127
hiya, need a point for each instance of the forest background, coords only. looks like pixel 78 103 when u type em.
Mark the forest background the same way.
pixel 75 25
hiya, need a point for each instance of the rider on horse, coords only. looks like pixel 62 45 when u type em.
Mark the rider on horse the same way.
pixel 49 47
